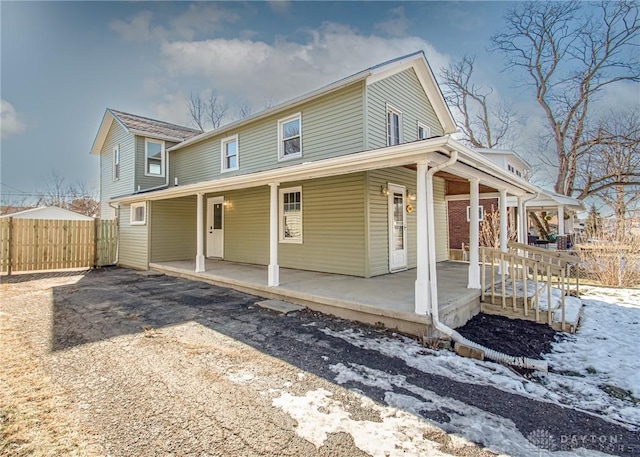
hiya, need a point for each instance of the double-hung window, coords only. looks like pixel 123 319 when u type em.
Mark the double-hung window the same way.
pixel 394 126
pixel 290 137
pixel 154 157
pixel 138 213
pixel 116 162
pixel 424 132
pixel 230 153
pixel 291 215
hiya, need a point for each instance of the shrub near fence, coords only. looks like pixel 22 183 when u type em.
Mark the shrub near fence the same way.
pixel 42 244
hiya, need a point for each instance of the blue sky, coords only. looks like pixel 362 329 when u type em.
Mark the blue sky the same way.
pixel 63 63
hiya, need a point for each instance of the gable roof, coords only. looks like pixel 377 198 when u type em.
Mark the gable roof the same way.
pixel 416 60
pixel 504 152
pixel 140 125
pixel 49 212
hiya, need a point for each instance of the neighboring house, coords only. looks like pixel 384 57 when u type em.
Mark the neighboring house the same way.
pixel 348 179
pixel 49 212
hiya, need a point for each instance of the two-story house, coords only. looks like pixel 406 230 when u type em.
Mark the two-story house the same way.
pixel 349 179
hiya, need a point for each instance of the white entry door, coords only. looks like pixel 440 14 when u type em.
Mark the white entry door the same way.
pixel 397 227
pixel 215 227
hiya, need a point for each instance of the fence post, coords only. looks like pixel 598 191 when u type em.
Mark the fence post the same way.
pixel 10 241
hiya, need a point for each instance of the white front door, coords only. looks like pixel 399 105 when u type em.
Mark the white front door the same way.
pixel 215 227
pixel 397 227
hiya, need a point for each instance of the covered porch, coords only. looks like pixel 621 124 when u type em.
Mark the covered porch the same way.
pixel 386 300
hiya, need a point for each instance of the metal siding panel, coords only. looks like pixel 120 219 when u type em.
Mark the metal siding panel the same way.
pixel 134 246
pixel 440 217
pixel 404 92
pixel 147 182
pixel 331 126
pixel 173 229
pixel 108 187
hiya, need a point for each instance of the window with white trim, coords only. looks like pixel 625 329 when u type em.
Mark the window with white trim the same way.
pixel 290 137
pixel 230 153
pixel 116 162
pixel 291 215
pixel 424 132
pixel 154 156
pixel 394 126
pixel 138 213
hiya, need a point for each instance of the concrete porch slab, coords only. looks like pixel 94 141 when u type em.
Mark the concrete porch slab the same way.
pixel 279 306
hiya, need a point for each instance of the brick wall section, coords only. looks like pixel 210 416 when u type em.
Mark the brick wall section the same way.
pixel 458 225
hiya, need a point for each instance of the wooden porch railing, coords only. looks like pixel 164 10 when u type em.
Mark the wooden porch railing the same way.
pixel 524 265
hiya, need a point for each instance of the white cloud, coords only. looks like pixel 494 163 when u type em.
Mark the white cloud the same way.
pixel 173 108
pixel 199 18
pixel 280 6
pixel 396 25
pixel 254 70
pixel 10 121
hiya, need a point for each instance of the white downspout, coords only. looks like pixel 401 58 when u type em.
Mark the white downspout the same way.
pixel 523 362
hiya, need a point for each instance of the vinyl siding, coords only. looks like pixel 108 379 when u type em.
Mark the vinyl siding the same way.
pixel 379 218
pixel 147 182
pixel 331 126
pixel 134 241
pixel 441 220
pixel 173 229
pixel 108 187
pixel 332 219
pixel 404 92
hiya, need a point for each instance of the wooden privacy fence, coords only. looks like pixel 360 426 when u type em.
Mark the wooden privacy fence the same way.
pixel 43 244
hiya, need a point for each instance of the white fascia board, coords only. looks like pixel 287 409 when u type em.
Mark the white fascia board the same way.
pixel 428 82
pixel 103 131
pixel 276 109
pixel 155 136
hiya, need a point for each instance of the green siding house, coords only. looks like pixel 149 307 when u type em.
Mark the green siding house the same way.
pixel 349 179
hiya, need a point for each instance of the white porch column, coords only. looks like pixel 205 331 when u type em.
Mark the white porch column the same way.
pixel 504 226
pixel 200 234
pixel 474 234
pixel 422 270
pixel 522 222
pixel 560 220
pixel 274 270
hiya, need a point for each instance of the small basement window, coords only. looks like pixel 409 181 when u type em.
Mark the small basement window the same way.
pixel 138 213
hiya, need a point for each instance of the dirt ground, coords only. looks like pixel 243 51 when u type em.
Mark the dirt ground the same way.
pixel 116 363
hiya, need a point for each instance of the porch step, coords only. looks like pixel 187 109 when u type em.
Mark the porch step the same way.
pixel 279 306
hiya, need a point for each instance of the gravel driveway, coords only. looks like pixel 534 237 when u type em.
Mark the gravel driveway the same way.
pixel 164 366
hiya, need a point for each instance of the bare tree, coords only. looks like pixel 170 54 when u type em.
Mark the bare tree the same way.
pixel 483 124
pixel 216 110
pixel 79 198
pixel 244 110
pixel 197 110
pixel 570 52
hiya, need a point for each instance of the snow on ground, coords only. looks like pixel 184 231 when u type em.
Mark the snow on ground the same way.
pixel 604 350
pixel 399 433
pixel 572 305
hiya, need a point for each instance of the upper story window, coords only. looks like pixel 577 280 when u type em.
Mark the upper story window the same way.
pixel 510 168
pixel 230 153
pixel 394 126
pixel 519 173
pixel 154 157
pixel 424 132
pixel 138 213
pixel 290 137
pixel 291 215
pixel 116 162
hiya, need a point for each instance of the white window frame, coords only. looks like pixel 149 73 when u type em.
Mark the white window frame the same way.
pixel 281 237
pixel 134 206
pixel 426 128
pixel 480 213
pixel 281 138
pixel 115 162
pixel 223 153
pixel 393 109
pixel 162 158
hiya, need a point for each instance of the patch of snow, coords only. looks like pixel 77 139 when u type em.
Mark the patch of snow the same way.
pixel 603 351
pixel 572 305
pixel 398 434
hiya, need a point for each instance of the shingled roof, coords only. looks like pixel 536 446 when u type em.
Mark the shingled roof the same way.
pixel 140 124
